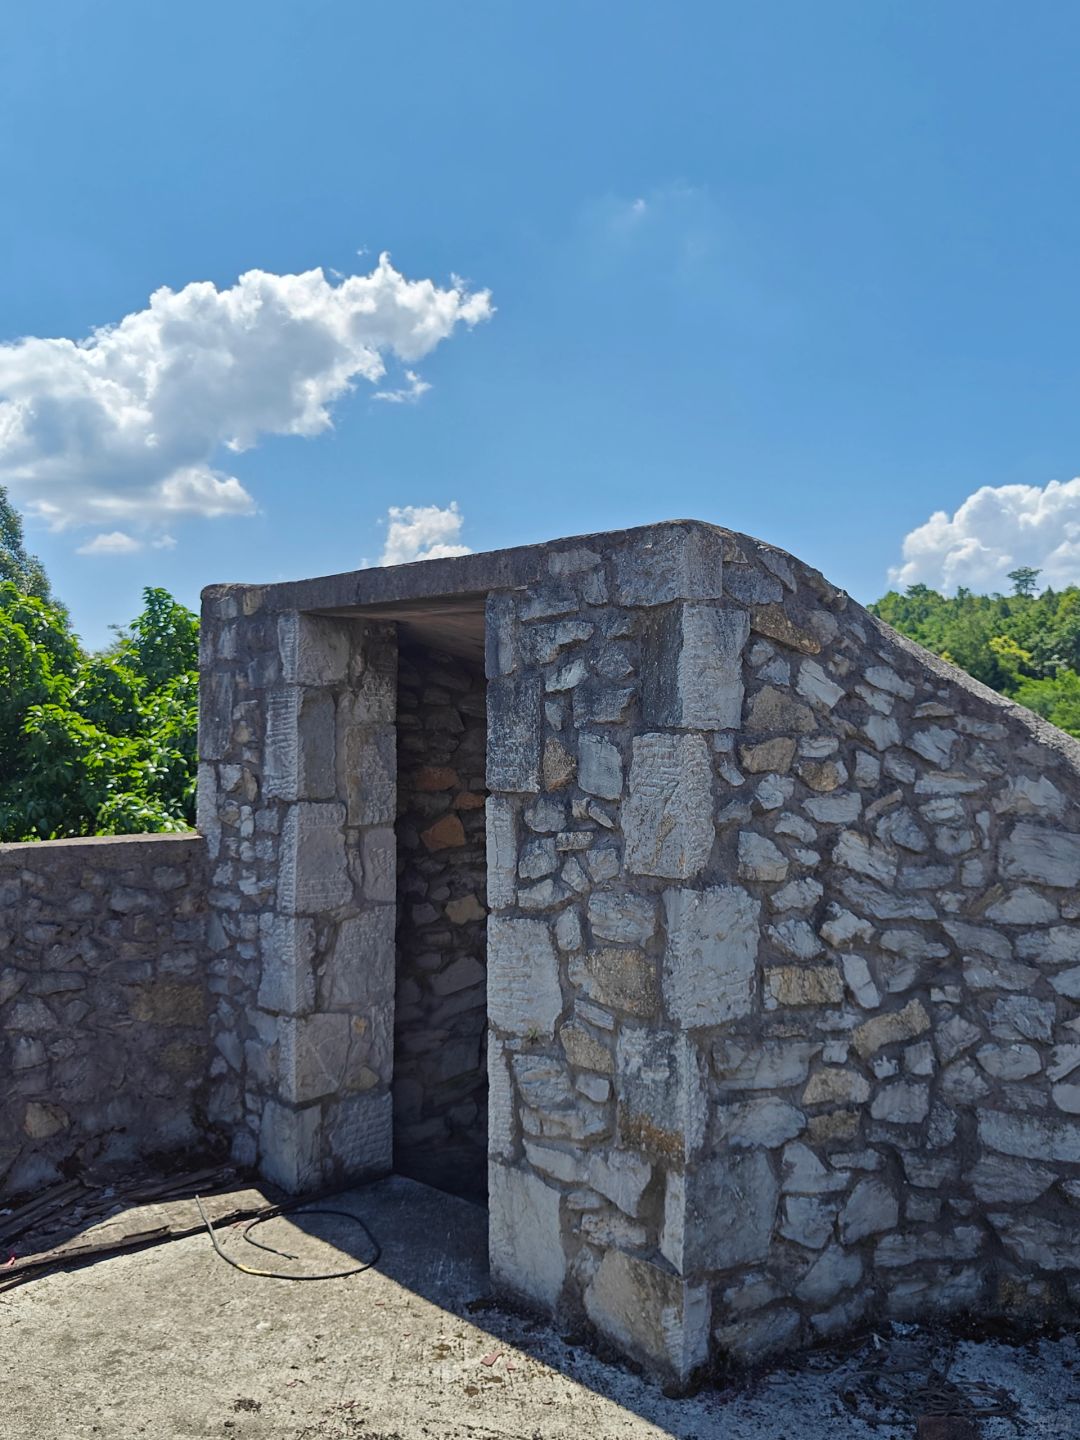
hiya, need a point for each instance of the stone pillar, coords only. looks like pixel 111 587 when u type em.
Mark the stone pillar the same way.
pixel 297 799
pixel 608 682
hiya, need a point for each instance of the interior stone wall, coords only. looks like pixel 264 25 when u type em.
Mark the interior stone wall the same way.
pixel 440 1071
pixel 105 1003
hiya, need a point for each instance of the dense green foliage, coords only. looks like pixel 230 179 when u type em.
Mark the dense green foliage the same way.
pixel 92 744
pixel 1025 645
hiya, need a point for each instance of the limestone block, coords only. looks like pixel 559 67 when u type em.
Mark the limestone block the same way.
pixel 524 1235
pixel 759 858
pixel 1009 1062
pixel 287 949
pixel 668 819
pixel 502 852
pixel 600 770
pixel 660 1085
pixel 803 1173
pixel 314 649
pixel 378 863
pixel 871 1208
pixel 620 979
pixel 710 963
pixel 1022 1017
pixel 523 976
pixel 997 1181
pixel 803 985
pixel 743 1064
pixel 1046 856
pixel 623 917
pixel 313 1053
pixel 584 1050
pixel 367 761
pixel 288 1146
pixel 903 1103
pixel 360 1132
pixel 216 698
pixel 775 709
pixel 692 667
pixel 884 1030
pixel 832 1272
pixel 961 1243
pixel 836 1085
pixel 1059 945
pixel 515 721
pixel 1038 1240
pixel 621 1176
pixel 773 756
pixel 313 875
pixel 500 646
pixel 808 1220
pixel 650 1314
pixel 359 969
pixel 753 1338
pixel 1030 1137
pixel 765 1121
pixel 674 563
pixel 502 1118
pixel 720 1214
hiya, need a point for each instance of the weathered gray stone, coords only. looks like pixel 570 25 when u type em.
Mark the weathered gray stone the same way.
pixel 710 966
pixel 759 858
pixel 313 876
pixel 621 979
pixel 599 766
pixel 871 1208
pixel 660 1085
pixel 721 1213
pixel 1049 857
pixel 669 563
pixel 622 916
pixel 765 1121
pixel 668 819
pixel 524 1235
pixel 744 1064
pixel 652 1315
pixel 692 667
pixel 883 1030
pixel 524 994
pixel 1030 1137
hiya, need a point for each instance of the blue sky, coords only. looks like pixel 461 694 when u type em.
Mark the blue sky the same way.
pixel 809 271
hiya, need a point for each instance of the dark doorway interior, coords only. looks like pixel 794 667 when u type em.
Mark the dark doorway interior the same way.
pixel 440 1076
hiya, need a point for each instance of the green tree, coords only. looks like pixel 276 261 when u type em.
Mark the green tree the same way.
pixel 1024 580
pixel 24 571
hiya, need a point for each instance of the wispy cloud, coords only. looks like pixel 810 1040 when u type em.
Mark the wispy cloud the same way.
pixel 112 542
pixel 408 394
pixel 130 425
pixel 995 530
pixel 422 532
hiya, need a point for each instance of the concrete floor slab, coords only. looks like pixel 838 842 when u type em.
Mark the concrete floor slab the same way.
pixel 172 1343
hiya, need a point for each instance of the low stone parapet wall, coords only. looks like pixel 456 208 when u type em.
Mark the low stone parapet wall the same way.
pixel 104 1004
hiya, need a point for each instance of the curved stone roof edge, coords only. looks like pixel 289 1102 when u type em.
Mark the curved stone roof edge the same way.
pixel 486 570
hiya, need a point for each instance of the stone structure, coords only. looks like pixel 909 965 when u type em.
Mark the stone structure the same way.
pixel 782 941
pixel 104 1005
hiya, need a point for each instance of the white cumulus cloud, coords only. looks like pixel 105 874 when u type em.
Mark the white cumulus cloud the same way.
pixel 112 542
pixel 129 424
pixel 997 529
pixel 422 532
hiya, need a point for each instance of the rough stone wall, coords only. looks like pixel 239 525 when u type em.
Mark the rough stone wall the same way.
pixel 297 803
pixel 784 966
pixel 104 1003
pixel 440 1072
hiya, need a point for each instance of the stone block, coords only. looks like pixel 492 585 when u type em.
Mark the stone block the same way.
pixel 378 864
pixel 360 1136
pixel 313 1054
pixel 720 1214
pixel 668 819
pixel 523 976
pixel 871 1208
pixel 313 875
pixel 287 950
pixel 288 1146
pixel 620 979
pixel 674 563
pixel 359 969
pixel 661 1092
pixel 216 698
pixel 525 1242
pixel 622 916
pixel 600 770
pixel 710 963
pixel 314 649
pixel 367 764
pixel 692 667
pixel 515 722
pixel 1046 856
pixel 884 1030
pixel 650 1314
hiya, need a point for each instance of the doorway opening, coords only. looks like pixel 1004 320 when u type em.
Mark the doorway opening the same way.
pixel 440 1028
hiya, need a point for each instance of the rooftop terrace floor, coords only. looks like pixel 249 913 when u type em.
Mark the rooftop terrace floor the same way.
pixel 171 1342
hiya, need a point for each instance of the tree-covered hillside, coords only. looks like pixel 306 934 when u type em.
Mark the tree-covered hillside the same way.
pixel 91 744
pixel 1025 645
